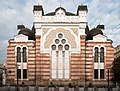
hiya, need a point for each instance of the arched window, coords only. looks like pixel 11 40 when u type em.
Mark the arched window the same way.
pixel 18 54
pixel 24 54
pixel 60 58
pixel 21 58
pixel 101 54
pixel 96 54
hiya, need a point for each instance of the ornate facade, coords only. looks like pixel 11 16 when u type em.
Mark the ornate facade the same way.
pixel 60 48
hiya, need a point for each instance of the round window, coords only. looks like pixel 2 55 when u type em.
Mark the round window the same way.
pixel 66 47
pixel 63 41
pixel 57 41
pixel 60 47
pixel 53 47
pixel 60 35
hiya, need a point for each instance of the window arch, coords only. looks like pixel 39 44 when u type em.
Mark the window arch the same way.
pixel 102 54
pixel 96 54
pixel 18 54
pixel 24 54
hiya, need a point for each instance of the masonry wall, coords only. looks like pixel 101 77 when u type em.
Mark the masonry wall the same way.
pixel 109 58
pixel 11 61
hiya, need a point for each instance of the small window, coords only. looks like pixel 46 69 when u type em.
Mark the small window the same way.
pixel 18 54
pixel 53 47
pixel 63 41
pixel 60 35
pixel 19 73
pixel 101 54
pixel 60 47
pixel 57 41
pixel 24 73
pixel 24 54
pixel 66 47
pixel 101 73
pixel 95 73
pixel 96 55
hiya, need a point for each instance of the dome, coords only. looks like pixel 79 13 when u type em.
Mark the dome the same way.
pixel 27 32
pixel 93 32
pixel 60 8
pixel 96 31
pixel 66 13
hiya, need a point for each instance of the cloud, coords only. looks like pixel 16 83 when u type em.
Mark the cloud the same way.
pixel 107 13
pixel 14 12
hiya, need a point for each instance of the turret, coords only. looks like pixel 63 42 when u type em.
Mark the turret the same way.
pixel 82 12
pixel 38 10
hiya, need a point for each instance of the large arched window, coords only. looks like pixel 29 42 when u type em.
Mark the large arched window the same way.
pixel 101 54
pixel 96 54
pixel 60 58
pixel 18 54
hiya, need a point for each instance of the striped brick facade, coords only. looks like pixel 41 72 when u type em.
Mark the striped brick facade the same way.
pixel 39 59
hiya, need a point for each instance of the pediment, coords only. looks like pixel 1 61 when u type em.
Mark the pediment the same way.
pixel 99 38
pixel 21 38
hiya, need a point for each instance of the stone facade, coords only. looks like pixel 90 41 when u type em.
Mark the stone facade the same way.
pixel 62 50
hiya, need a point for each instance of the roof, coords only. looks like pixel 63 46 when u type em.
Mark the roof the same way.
pixel 92 32
pixel 20 26
pixel 37 7
pixel 96 31
pixel 82 7
pixel 101 26
pixel 66 13
pixel 27 32
pixel 60 8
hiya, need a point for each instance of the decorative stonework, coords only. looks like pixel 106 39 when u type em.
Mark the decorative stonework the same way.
pixel 75 30
pixel 99 38
pixel 45 30
pixel 21 38
pixel 67 34
pixel 69 19
pixel 59 32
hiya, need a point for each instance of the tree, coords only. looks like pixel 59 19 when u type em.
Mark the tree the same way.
pixel 116 69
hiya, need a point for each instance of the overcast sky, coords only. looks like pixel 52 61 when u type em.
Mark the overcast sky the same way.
pixel 14 12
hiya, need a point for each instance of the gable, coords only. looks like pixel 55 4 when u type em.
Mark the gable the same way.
pixel 21 38
pixel 99 38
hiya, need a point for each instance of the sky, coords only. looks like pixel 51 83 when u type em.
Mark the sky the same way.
pixel 15 12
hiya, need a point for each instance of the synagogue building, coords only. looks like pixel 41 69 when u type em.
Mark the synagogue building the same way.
pixel 60 48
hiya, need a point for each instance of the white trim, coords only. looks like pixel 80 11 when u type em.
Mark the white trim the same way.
pixel 99 46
